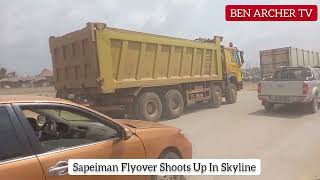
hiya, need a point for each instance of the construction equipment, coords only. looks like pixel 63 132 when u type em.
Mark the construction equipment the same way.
pixel 146 76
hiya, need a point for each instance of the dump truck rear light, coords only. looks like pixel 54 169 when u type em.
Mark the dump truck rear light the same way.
pixel 259 88
pixel 305 88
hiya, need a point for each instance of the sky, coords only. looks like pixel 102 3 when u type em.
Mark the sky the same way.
pixel 25 26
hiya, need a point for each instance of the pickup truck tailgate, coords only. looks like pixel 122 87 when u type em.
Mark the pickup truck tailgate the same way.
pixel 282 88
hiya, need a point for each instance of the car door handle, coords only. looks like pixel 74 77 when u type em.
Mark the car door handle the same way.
pixel 60 169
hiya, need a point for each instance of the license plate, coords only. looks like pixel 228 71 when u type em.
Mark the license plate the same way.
pixel 280 98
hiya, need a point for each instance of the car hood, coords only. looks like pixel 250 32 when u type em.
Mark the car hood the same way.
pixel 141 124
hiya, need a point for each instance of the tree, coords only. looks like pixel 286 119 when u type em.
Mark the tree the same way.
pixel 3 72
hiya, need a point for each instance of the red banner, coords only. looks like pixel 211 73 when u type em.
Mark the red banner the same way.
pixel 271 13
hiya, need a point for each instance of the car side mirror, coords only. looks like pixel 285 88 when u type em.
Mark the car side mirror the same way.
pixel 127 134
pixel 41 119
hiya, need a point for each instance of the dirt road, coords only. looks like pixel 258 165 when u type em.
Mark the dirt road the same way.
pixel 286 141
pixel 39 91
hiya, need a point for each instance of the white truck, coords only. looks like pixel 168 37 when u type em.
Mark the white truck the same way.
pixel 291 85
pixel 272 59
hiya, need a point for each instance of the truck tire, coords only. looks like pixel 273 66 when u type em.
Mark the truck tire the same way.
pixel 60 94
pixel 148 107
pixel 268 107
pixel 169 155
pixel 313 105
pixel 173 104
pixel 231 94
pixel 216 97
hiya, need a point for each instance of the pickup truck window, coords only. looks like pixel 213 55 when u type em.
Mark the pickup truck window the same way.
pixel 10 147
pixel 292 75
pixel 59 127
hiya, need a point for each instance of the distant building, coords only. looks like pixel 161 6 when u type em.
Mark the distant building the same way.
pixel 251 74
pixel 16 82
pixel 43 79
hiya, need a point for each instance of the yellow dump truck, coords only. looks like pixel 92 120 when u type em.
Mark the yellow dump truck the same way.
pixel 145 76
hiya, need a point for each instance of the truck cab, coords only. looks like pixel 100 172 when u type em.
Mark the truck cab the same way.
pixel 233 59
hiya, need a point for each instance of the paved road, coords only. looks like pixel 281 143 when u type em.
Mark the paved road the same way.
pixel 286 141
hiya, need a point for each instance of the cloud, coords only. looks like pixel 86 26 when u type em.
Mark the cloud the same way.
pixel 26 26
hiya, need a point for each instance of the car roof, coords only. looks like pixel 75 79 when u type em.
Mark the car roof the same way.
pixel 8 99
pixel 294 67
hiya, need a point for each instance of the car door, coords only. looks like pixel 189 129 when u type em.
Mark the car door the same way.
pixel 97 138
pixel 16 159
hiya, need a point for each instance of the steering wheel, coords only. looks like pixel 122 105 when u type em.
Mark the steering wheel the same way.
pixel 49 129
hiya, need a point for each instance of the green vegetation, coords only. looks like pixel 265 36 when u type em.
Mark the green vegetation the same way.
pixel 5 74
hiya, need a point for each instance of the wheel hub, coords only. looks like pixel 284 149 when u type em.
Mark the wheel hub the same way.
pixel 218 95
pixel 174 104
pixel 151 108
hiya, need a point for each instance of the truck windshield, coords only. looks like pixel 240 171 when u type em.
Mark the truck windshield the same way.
pixel 235 57
pixel 292 75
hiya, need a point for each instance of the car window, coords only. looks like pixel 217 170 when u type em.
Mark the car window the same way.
pixel 281 75
pixel 292 75
pixel 10 147
pixel 300 74
pixel 58 127
pixel 235 57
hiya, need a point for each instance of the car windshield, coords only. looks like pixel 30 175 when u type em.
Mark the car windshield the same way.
pixel 292 75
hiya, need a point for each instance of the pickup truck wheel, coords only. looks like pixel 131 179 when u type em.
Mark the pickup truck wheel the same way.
pixel 173 104
pixel 216 97
pixel 313 106
pixel 269 107
pixel 169 155
pixel 148 107
pixel 231 94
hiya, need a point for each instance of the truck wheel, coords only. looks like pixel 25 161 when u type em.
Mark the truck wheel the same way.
pixel 60 94
pixel 313 106
pixel 149 107
pixel 231 94
pixel 173 104
pixel 169 155
pixel 216 97
pixel 268 107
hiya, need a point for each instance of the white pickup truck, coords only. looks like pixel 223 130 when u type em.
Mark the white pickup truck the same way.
pixel 291 85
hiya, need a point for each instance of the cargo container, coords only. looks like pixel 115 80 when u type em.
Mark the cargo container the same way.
pixel 145 76
pixel 272 59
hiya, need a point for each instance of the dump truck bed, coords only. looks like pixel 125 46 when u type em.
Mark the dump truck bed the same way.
pixel 107 59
